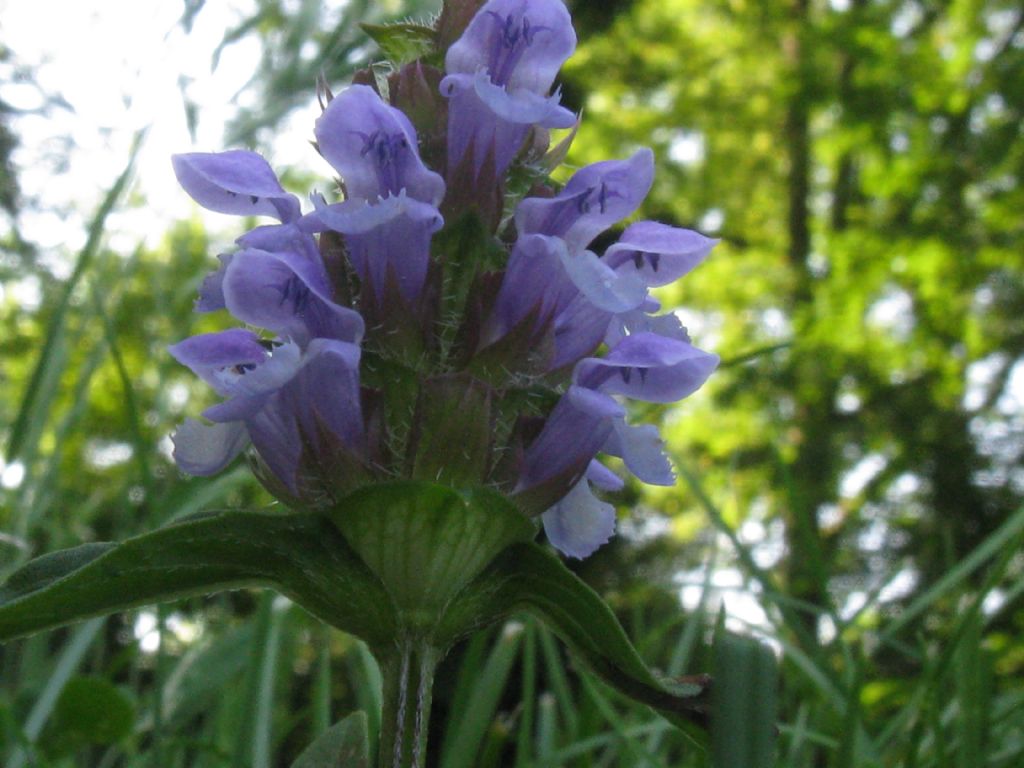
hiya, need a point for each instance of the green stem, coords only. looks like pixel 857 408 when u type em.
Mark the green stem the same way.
pixel 408 674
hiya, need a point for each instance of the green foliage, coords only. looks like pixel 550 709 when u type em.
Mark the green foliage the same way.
pixel 345 745
pixel 401 43
pixel 90 711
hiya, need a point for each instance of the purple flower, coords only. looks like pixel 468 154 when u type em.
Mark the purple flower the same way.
pixel 649 367
pixel 238 182
pixel 287 294
pixel 516 359
pixel 386 240
pixel 373 147
pixel 499 74
pixel 579 523
pixel 278 280
pixel 596 197
pixel 391 211
pixel 552 276
pixel 659 254
pixel 279 397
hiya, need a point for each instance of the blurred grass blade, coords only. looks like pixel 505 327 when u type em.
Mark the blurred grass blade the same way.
pixel 464 744
pixel 321 708
pixel 369 687
pixel 264 660
pixel 81 639
pixel 48 353
pixel 973 700
pixel 744 695
pixel 998 541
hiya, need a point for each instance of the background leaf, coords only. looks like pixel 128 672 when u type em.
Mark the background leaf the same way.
pixel 344 745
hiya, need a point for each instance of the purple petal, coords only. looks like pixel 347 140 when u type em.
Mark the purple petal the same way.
pixel 475 129
pixel 237 408
pixel 391 236
pixel 326 392
pixel 574 432
pixel 203 450
pixel 604 287
pixel 596 197
pixel 648 367
pixel 280 292
pixel 209 353
pixel 488 120
pixel 639 321
pixel 373 147
pixel 276 438
pixel 658 253
pixel 580 523
pixel 237 181
pixel 579 329
pixel 534 280
pixel 642 450
pixel 602 477
pixel 522 106
pixel 521 43
pixel 211 292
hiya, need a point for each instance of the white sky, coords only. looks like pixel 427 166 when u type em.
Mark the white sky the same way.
pixel 118 63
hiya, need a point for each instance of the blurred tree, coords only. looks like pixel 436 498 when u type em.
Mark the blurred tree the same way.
pixel 862 162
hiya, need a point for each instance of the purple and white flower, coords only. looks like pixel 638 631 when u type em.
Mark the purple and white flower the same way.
pixel 499 75
pixel 325 403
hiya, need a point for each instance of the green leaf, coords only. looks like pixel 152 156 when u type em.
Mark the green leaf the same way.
pixel 403 42
pixel 345 745
pixel 301 555
pixel 426 542
pixel 90 711
pixel 744 702
pixel 526 576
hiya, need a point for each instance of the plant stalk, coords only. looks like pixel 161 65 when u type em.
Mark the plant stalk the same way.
pixel 408 675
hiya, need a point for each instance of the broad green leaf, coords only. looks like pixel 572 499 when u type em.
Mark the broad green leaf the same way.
pixel 528 577
pixel 301 555
pixel 426 542
pixel 90 711
pixel 344 745
pixel 402 42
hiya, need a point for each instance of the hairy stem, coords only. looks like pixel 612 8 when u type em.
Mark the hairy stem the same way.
pixel 408 672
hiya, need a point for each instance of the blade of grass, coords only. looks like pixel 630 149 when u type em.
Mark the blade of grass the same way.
pixel 369 688
pixel 525 735
pixel 555 673
pixel 998 541
pixel 322 683
pixel 461 749
pixel 82 262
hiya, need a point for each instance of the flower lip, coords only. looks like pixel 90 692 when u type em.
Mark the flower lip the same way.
pixel 658 253
pixel 520 43
pixel 648 367
pixel 373 146
pixel 238 182
pixel 596 197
